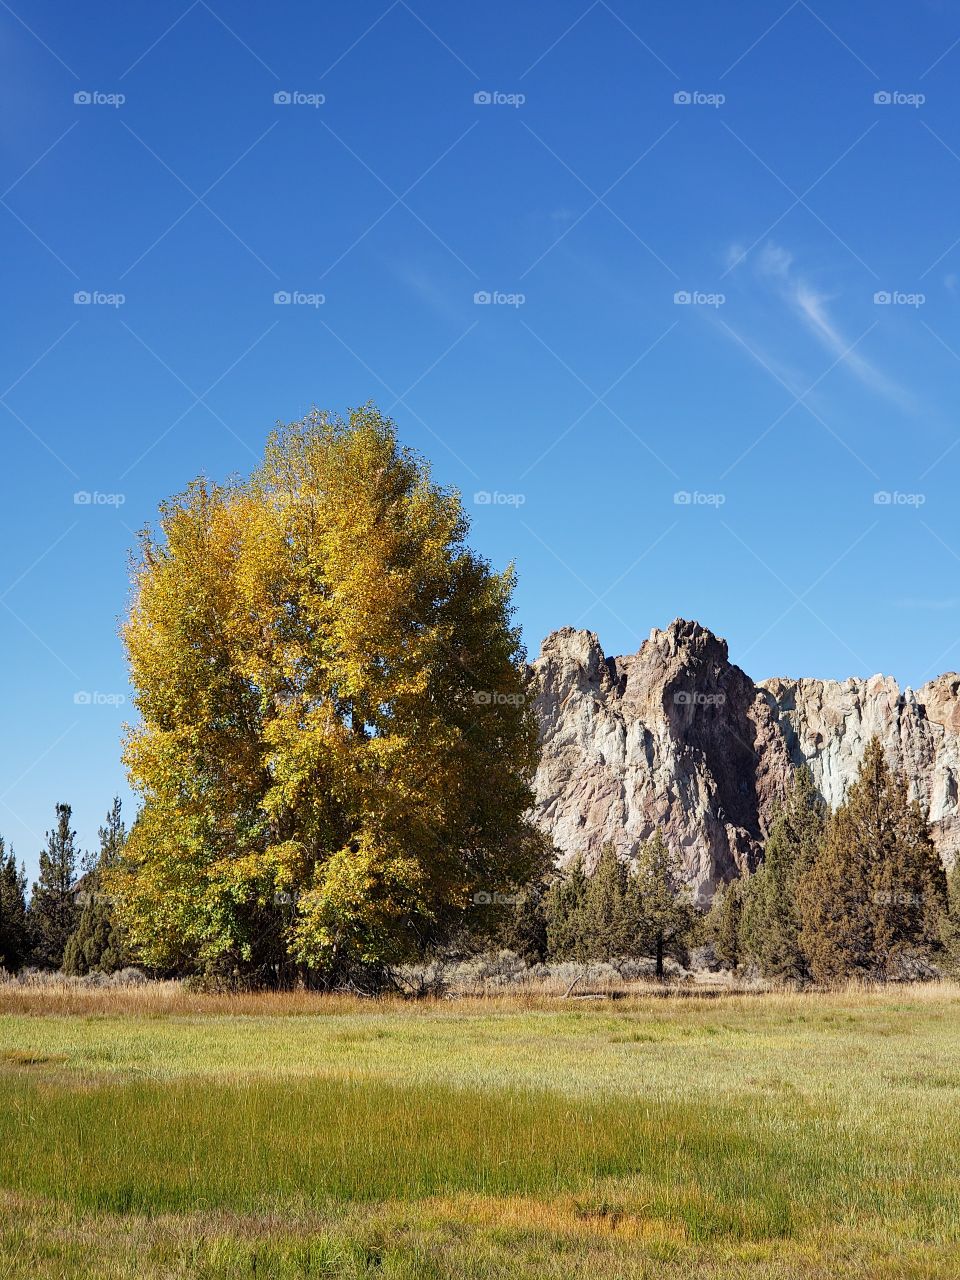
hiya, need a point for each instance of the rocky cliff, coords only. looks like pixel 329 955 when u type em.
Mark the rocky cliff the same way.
pixel 676 736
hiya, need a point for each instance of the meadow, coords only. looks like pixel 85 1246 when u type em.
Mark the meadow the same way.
pixel 154 1133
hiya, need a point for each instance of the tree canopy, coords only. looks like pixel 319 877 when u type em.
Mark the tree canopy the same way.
pixel 334 749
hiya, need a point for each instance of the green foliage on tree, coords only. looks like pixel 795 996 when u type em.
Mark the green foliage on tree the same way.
pixel 609 919
pixel 524 927
pixel 97 945
pixel 335 748
pixel 723 926
pixel 873 901
pixel 53 912
pixel 668 920
pixel 563 908
pixel 623 911
pixel 950 924
pixel 770 930
pixel 14 935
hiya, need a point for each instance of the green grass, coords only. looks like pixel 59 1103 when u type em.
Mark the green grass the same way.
pixel 775 1136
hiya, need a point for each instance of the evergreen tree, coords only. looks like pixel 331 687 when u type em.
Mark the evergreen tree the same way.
pixel 14 938
pixel 724 922
pixel 874 899
pixel 97 944
pixel 667 918
pixel 771 916
pixel 524 929
pixel 53 912
pixel 608 923
pixel 563 907
pixel 950 927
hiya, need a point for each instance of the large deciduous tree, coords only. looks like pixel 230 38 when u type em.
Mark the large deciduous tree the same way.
pixel 334 748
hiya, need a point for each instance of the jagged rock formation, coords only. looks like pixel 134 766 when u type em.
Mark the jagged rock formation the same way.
pixel 676 736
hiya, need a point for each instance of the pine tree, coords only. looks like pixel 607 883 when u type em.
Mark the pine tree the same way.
pixel 667 918
pixel 771 916
pixel 97 944
pixel 873 902
pixel 53 912
pixel 14 938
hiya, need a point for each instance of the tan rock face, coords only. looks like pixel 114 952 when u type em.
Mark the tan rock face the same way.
pixel 677 736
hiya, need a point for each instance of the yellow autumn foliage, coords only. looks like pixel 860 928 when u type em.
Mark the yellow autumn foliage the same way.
pixel 334 750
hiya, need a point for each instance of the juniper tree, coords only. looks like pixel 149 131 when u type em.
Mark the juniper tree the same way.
pixel 667 917
pixel 770 931
pixel 874 899
pixel 563 907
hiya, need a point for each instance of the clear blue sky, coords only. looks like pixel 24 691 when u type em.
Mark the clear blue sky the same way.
pixel 782 409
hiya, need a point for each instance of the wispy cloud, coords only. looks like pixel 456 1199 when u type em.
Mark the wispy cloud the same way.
pixel 775 266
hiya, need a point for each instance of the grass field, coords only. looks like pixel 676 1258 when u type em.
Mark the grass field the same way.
pixel 150 1133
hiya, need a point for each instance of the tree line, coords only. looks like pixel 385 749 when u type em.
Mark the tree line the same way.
pixel 67 922
pixel 858 893
pixel 334 756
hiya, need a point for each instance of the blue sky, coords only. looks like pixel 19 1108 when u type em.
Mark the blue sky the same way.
pixel 778 166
